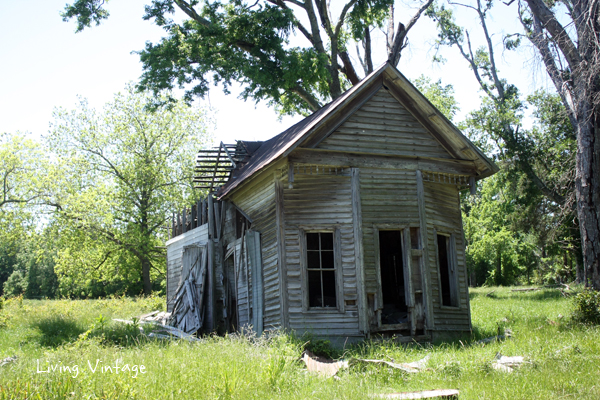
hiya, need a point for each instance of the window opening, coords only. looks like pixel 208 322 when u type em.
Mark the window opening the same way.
pixel 447 280
pixel 320 264
pixel 391 267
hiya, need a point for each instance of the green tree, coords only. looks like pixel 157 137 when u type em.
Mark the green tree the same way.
pixel 124 170
pixel 565 34
pixel 22 171
pixel 441 96
pixel 513 229
pixel 250 42
pixel 16 284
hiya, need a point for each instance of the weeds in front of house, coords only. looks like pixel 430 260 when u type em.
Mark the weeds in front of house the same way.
pixel 562 357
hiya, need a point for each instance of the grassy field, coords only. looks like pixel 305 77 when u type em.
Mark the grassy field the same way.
pixel 562 360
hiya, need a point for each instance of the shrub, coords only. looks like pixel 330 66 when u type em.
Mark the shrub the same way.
pixel 15 285
pixel 587 307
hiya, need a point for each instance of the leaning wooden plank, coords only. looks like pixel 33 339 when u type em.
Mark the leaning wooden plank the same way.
pixel 426 394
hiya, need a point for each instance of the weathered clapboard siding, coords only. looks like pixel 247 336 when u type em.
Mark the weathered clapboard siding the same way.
pixel 443 216
pixel 174 258
pixel 321 201
pixel 257 199
pixel 389 199
pixel 384 126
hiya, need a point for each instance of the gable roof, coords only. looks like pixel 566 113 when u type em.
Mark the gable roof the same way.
pixel 336 112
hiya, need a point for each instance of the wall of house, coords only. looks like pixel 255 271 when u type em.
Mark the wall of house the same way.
pixel 388 201
pixel 174 258
pixel 320 200
pixel 257 200
pixel 442 203
pixel 383 126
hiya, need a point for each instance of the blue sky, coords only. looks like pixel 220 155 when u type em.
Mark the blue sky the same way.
pixel 44 64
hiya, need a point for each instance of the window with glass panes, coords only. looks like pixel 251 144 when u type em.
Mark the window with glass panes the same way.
pixel 320 263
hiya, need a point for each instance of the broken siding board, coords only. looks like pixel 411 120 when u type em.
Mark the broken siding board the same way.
pixel 384 126
pixel 174 258
pixel 257 199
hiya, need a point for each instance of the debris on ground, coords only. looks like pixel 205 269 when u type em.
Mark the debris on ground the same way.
pixel 322 366
pixel 329 368
pixel 8 360
pixel 188 305
pixel 160 317
pixel 412 368
pixel 532 289
pixel 507 334
pixel 158 330
pixel 426 394
pixel 507 364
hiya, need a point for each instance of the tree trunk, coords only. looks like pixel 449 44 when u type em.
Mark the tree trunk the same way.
pixel 587 190
pixel 146 276
pixel 499 268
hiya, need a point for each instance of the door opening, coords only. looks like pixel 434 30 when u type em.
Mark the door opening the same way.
pixel 391 265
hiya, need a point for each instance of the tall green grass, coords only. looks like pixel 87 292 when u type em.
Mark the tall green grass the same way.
pixel 562 358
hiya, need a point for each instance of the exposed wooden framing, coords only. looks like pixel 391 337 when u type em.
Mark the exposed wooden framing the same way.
pixel 430 324
pixel 365 160
pixel 363 318
pixel 228 155
pixel 280 227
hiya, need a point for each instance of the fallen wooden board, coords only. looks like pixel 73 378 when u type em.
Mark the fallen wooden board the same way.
pixel 324 368
pixel 411 368
pixel 426 394
pixel 8 360
pixel 507 364
pixel 525 290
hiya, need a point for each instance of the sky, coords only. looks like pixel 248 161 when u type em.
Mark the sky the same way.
pixel 44 64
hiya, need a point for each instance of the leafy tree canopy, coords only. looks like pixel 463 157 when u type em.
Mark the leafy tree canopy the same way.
pixel 254 43
pixel 124 170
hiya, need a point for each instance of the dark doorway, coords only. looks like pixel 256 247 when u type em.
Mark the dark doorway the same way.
pixel 392 278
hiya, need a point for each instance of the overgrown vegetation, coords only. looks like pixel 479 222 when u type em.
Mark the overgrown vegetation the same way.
pixel 587 307
pixel 561 356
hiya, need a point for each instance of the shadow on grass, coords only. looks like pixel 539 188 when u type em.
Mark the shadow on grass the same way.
pixel 547 294
pixel 538 295
pixel 57 330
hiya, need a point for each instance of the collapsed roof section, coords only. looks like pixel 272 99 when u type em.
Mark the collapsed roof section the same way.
pixel 216 166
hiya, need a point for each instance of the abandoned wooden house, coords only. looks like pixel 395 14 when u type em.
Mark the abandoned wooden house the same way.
pixel 345 225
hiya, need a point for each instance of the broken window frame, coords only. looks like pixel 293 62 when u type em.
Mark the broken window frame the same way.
pixel 337 251
pixel 452 264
